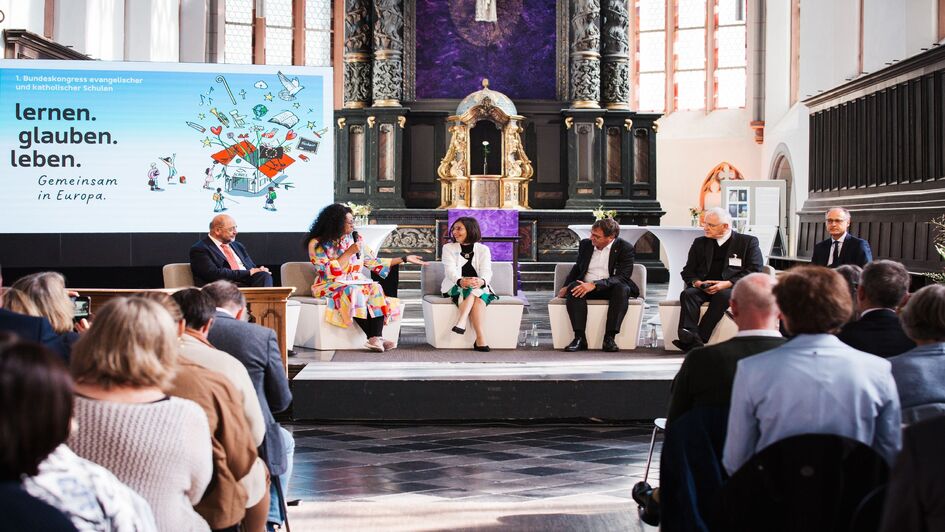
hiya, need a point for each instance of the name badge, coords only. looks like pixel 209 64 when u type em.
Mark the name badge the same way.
pixel 735 262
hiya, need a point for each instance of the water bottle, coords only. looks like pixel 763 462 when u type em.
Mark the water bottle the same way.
pixel 652 336
pixel 534 335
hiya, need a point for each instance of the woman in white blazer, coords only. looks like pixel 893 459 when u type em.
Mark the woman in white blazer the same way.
pixel 467 265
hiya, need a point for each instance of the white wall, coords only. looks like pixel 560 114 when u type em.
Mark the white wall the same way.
pixel 154 25
pixel 23 15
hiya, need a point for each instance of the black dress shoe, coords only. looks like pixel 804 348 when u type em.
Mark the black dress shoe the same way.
pixel 682 346
pixel 610 345
pixel 690 338
pixel 649 509
pixel 578 344
pixel 458 330
pixel 483 348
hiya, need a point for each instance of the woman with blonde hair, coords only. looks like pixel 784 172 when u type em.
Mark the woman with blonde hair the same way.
pixel 47 291
pixel 159 445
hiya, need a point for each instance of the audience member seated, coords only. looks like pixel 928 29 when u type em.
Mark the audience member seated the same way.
pixel 842 247
pixel 691 468
pixel 36 401
pixel 257 349
pixel 338 257
pixel 467 270
pixel 883 288
pixel 219 256
pixel 716 262
pixel 851 274
pixel 50 299
pixel 224 503
pixel 30 328
pixel 602 271
pixel 920 372
pixel 814 383
pixel 917 487
pixel 158 445
pixel 198 309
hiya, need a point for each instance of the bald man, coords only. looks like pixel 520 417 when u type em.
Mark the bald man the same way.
pixel 219 256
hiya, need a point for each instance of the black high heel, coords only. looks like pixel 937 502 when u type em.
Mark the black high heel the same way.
pixel 457 330
pixel 482 348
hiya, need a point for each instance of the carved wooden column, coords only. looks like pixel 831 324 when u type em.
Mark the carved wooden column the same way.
pixel 357 57
pixel 585 54
pixel 615 64
pixel 388 53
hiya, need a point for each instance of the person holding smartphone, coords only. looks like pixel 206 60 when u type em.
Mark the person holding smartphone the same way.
pixel 716 262
pixel 47 292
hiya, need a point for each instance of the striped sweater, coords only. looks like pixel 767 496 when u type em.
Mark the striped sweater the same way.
pixel 161 450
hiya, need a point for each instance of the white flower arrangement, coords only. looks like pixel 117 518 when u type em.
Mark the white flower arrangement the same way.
pixel 600 213
pixel 358 210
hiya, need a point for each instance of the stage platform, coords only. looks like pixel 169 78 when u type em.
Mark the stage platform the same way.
pixel 417 382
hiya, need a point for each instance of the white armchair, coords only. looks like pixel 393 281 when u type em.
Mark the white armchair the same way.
pixel 313 331
pixel 503 317
pixel 561 332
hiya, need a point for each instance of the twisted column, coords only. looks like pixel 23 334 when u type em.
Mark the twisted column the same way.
pixel 615 63
pixel 388 72
pixel 357 56
pixel 585 54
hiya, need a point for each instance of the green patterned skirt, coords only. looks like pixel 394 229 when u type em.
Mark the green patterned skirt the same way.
pixel 455 293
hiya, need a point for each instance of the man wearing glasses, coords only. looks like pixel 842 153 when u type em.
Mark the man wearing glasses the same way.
pixel 841 247
pixel 716 262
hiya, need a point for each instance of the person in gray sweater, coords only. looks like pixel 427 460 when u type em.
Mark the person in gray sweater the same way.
pixel 158 445
pixel 920 372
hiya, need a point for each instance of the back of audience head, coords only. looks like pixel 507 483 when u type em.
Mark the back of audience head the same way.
pixel 884 284
pixel 753 303
pixel 132 343
pixel 17 301
pixel 36 401
pixel 226 295
pixel 923 317
pixel 47 290
pixel 196 307
pixel 167 303
pixel 813 300
pixel 851 274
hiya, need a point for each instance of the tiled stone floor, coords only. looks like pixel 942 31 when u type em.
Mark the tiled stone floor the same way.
pixel 398 467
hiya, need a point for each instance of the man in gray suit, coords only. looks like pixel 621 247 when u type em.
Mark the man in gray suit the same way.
pixel 258 349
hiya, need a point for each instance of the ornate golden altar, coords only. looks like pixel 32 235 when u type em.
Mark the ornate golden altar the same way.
pixel 502 183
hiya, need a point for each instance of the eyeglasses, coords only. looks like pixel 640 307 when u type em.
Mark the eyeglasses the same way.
pixel 835 220
pixel 713 226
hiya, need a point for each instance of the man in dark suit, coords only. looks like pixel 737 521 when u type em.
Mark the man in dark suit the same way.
pixel 603 269
pixel 916 487
pixel 841 247
pixel 716 262
pixel 258 349
pixel 34 329
pixel 883 288
pixel 705 380
pixel 218 256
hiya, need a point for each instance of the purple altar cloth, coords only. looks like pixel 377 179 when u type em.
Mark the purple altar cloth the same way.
pixel 492 222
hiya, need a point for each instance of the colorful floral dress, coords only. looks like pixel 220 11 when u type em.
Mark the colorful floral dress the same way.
pixel 349 301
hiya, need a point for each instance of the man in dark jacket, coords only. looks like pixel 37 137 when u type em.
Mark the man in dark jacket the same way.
pixel 218 256
pixel 841 247
pixel 603 269
pixel 258 349
pixel 716 262
pixel 883 288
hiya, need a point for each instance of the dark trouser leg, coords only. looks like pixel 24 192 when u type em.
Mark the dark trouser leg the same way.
pixel 618 303
pixel 371 326
pixel 577 312
pixel 717 305
pixel 259 280
pixel 389 283
pixel 690 301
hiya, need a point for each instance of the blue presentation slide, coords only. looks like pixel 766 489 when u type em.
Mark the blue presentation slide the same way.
pixel 112 147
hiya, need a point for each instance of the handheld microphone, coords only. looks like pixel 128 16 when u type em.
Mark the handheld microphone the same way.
pixel 354 235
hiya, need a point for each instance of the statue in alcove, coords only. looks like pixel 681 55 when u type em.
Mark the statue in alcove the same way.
pixel 485 165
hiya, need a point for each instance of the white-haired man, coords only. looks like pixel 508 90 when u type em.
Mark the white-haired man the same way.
pixel 716 262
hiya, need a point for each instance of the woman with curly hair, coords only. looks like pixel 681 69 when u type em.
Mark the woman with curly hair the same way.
pixel 352 296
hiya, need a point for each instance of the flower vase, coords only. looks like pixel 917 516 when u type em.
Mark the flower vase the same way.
pixel 695 221
pixel 361 221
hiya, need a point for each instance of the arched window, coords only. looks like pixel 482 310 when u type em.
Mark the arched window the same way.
pixel 688 54
pixel 278 32
pixel 710 195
